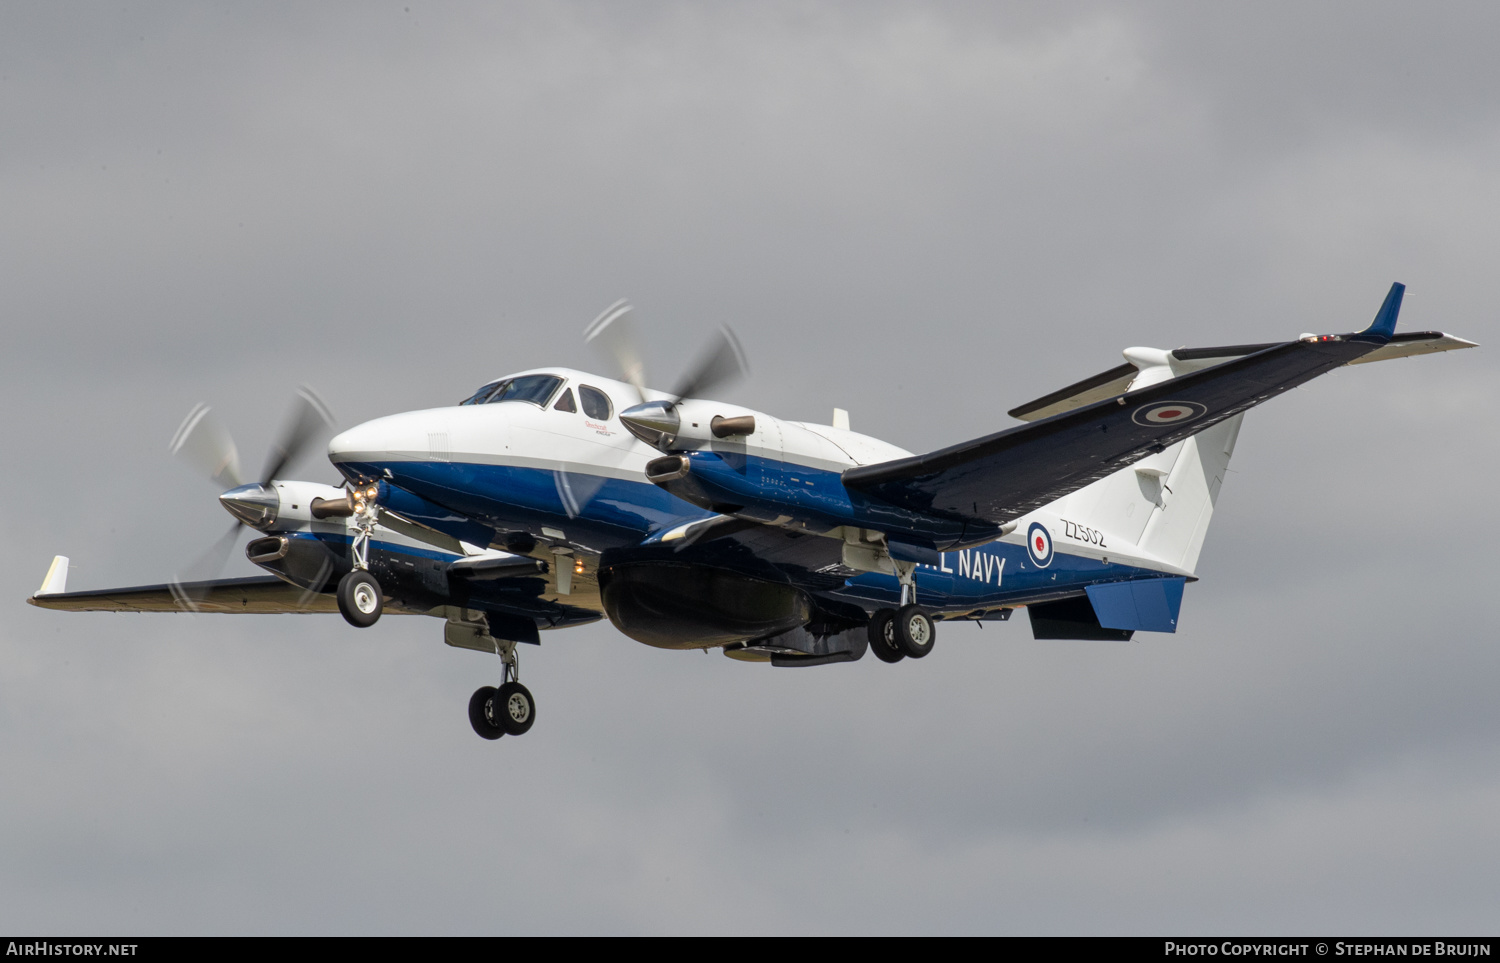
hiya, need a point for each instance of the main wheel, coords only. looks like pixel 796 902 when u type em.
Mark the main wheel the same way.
pixel 514 708
pixel 915 632
pixel 482 711
pixel 359 598
pixel 882 631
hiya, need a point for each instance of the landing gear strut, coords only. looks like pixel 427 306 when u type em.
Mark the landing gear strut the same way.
pixel 508 709
pixel 359 593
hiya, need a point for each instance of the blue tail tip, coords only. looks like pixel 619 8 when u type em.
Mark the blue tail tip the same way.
pixel 1384 324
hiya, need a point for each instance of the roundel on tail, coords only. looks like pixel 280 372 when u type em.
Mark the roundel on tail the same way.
pixel 1168 413
pixel 1039 544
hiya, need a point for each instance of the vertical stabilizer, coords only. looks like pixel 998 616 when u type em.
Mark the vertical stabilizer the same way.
pixel 1162 505
pixel 1176 528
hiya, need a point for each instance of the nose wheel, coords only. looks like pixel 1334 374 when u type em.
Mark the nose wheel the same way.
pixel 359 599
pixel 507 709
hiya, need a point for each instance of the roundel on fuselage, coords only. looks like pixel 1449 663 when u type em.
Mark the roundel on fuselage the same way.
pixel 1039 544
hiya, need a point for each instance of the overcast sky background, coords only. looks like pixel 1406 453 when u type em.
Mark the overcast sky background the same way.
pixel 926 214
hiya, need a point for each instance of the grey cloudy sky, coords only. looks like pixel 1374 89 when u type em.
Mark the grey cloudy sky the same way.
pixel 926 214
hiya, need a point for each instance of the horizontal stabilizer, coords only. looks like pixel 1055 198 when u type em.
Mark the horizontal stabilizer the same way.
pixel 1149 605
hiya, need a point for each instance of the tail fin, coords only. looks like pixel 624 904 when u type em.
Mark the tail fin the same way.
pixel 1176 528
pixel 1162 506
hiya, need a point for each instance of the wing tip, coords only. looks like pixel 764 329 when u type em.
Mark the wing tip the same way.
pixel 56 581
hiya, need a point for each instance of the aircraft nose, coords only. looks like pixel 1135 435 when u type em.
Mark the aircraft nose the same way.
pixel 370 441
pixel 368 451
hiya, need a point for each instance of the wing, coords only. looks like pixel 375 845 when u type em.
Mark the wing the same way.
pixel 257 595
pixel 999 478
pixel 1116 380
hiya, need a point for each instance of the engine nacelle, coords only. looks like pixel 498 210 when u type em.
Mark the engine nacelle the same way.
pixel 676 606
pixel 300 559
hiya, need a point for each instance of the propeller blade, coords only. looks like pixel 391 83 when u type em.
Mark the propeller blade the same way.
pixel 208 566
pixel 203 442
pixel 309 418
pixel 721 363
pixel 613 333
pixel 575 490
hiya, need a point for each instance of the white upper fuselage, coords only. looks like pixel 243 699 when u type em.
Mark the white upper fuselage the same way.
pixel 527 435
pixel 513 463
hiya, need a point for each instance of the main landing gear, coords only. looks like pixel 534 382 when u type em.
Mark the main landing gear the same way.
pixel 505 710
pixel 896 634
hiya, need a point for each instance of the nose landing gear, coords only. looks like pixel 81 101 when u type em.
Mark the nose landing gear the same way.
pixel 359 593
pixel 508 709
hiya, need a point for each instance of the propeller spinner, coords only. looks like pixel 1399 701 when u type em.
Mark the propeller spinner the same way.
pixel 205 444
pixel 658 423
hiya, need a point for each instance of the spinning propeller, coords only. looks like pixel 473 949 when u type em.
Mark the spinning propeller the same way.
pixel 657 422
pixel 205 444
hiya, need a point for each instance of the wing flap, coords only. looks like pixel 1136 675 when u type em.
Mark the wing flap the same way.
pixel 1105 384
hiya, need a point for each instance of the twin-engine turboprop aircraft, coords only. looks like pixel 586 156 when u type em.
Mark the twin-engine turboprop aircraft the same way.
pixel 552 497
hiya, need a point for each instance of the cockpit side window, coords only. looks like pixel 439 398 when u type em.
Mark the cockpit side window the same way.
pixel 595 403
pixel 478 397
pixel 536 389
pixel 566 403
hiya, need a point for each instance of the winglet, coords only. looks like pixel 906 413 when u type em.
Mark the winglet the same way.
pixel 56 581
pixel 1384 324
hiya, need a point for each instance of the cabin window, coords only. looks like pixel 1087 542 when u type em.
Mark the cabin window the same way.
pixel 595 403
pixel 566 402
pixel 536 389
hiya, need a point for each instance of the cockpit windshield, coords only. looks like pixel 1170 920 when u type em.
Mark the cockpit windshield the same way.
pixel 477 398
pixel 537 389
